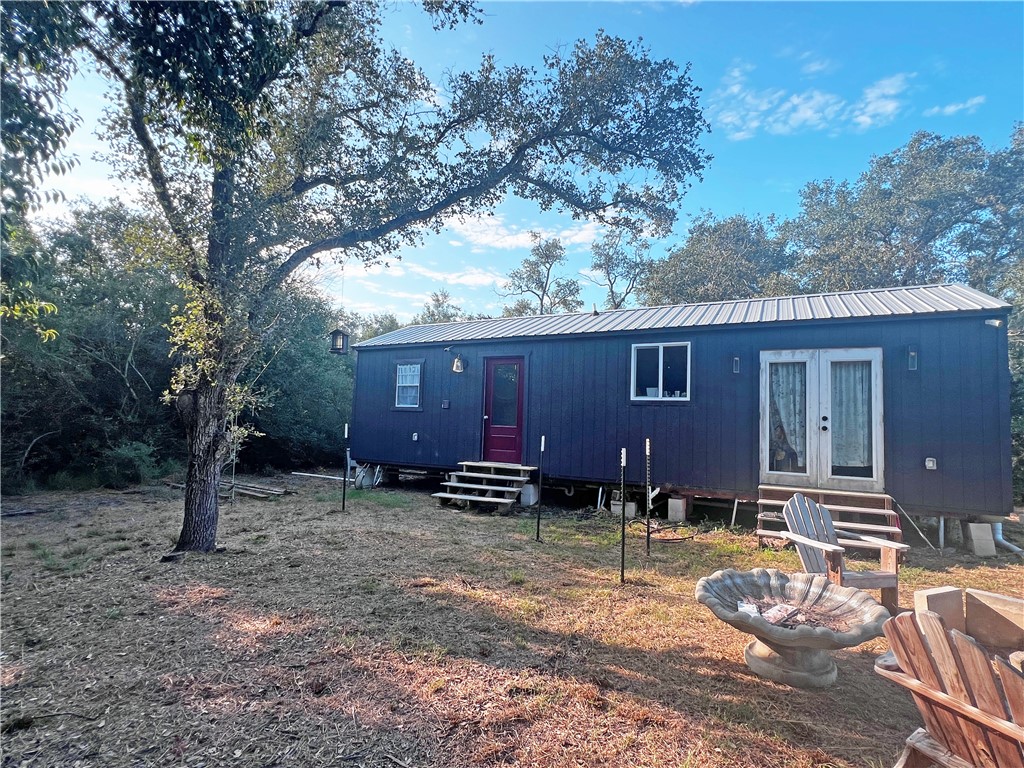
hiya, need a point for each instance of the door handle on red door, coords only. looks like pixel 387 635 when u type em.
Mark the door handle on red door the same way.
pixel 486 417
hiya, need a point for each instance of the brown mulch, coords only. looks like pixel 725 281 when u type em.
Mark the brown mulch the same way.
pixel 401 634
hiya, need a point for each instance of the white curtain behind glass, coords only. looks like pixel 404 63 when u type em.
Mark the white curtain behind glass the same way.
pixel 788 385
pixel 851 414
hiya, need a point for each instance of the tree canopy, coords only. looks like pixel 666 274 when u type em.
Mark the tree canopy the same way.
pixel 273 134
pixel 620 263
pixel 541 290
pixel 936 209
pixel 732 258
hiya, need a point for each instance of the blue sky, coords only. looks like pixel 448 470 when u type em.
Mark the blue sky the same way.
pixel 794 92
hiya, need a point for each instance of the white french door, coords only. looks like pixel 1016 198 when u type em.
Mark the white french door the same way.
pixel 821 418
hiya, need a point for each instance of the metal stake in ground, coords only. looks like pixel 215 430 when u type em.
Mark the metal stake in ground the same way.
pixel 344 485
pixel 540 482
pixel 647 448
pixel 622 497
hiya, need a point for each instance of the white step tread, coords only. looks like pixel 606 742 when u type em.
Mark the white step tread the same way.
pixel 467 497
pixel 472 486
pixel 827 491
pixel 510 478
pixel 834 507
pixel 496 465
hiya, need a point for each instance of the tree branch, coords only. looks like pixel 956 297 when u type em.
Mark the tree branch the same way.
pixel 158 178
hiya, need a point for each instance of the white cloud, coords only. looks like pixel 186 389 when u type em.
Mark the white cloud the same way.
pixel 813 110
pixel 816 66
pixel 738 108
pixel 488 233
pixel 881 102
pixel 580 234
pixel 970 106
pixel 743 110
pixel 471 276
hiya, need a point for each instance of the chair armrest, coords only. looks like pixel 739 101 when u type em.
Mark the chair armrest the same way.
pixel 824 546
pixel 874 540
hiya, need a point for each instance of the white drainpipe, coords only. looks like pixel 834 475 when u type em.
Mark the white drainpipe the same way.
pixel 997 537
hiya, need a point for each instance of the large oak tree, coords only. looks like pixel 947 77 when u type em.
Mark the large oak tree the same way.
pixel 272 135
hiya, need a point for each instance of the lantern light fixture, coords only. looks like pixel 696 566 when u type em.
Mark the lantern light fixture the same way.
pixel 339 341
pixel 458 364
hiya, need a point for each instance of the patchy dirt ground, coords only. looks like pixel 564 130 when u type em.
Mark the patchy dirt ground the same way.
pixel 402 634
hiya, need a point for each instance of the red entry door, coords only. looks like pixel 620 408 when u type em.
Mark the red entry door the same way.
pixel 503 410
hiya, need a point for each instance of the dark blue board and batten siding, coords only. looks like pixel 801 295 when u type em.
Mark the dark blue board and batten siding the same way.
pixel 954 407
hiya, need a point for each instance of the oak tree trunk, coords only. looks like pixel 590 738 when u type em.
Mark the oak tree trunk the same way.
pixel 205 413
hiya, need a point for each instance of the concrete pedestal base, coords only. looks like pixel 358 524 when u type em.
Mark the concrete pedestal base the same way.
pixel 798 667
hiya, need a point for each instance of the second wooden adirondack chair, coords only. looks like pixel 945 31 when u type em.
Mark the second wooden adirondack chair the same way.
pixel 811 530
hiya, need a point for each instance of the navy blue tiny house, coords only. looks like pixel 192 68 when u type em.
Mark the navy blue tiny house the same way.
pixel 904 391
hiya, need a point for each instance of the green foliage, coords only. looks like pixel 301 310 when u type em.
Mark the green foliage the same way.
pixel 721 259
pixel 273 133
pixel 303 392
pixel 542 292
pixel 622 263
pixel 36 40
pixel 20 271
pixel 69 403
pixel 440 309
pixel 936 209
pixel 129 463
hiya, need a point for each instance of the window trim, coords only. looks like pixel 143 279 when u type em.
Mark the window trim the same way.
pixel 660 398
pixel 395 406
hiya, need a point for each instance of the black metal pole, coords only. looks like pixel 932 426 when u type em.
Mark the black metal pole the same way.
pixel 540 482
pixel 344 483
pixel 647 448
pixel 622 486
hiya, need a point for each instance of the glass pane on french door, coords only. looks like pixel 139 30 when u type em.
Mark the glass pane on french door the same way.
pixel 787 397
pixel 850 430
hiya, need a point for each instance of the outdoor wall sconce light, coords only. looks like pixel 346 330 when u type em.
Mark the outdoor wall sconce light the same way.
pixel 458 366
pixel 736 365
pixel 994 322
pixel 912 358
pixel 339 341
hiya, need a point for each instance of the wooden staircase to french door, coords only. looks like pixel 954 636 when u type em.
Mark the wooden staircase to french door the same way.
pixel 485 482
pixel 868 514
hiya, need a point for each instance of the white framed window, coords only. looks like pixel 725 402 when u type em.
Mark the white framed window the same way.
pixel 407 384
pixel 660 372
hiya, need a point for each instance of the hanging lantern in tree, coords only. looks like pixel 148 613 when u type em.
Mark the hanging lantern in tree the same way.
pixel 339 341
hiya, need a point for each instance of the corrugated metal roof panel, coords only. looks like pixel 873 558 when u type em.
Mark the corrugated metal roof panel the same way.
pixel 880 302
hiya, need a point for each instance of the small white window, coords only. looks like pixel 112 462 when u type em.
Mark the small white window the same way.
pixel 407 385
pixel 661 371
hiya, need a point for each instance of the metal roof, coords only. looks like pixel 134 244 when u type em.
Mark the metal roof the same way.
pixel 878 302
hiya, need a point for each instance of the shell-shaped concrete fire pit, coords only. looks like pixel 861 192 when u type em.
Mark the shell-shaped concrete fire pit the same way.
pixel 795 620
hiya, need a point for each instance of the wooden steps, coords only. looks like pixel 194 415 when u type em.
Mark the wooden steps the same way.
pixel 869 514
pixel 485 482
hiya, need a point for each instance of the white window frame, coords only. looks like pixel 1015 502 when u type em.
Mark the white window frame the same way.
pixel 399 384
pixel 660 346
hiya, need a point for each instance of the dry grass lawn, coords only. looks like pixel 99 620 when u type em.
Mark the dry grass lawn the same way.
pixel 403 634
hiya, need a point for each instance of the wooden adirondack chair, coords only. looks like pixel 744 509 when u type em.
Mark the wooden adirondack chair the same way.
pixel 810 528
pixel 972 706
